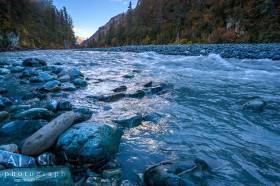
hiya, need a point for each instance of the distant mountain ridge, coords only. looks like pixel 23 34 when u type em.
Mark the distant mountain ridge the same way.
pixel 103 30
pixel 192 21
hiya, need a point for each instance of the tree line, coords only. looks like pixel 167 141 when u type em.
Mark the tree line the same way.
pixel 34 24
pixel 194 21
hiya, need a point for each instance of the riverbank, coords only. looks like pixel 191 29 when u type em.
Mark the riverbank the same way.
pixel 40 129
pixel 184 113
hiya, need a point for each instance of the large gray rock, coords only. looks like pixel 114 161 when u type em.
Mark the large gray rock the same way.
pixel 33 62
pixel 11 160
pixel 45 137
pixel 52 86
pixel 90 142
pixel 35 113
pixel 129 121
pixel 176 172
pixel 54 176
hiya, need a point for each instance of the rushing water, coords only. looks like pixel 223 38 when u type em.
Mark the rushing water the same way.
pixel 201 116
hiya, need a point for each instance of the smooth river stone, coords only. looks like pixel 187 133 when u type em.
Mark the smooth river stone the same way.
pixel 34 62
pixel 129 121
pixel 13 160
pixel 35 113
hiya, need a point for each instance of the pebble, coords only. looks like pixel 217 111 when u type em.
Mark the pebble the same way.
pixel 4 116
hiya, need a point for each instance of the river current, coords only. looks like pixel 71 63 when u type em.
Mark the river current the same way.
pixel 202 115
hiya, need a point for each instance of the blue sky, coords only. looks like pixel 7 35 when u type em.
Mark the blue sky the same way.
pixel 89 15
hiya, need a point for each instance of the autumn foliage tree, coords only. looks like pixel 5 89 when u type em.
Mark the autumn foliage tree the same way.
pixel 34 24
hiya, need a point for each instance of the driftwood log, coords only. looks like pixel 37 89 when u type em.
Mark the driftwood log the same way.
pixel 45 137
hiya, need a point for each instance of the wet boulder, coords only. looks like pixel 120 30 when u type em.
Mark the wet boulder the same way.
pixel 16 69
pixel 50 104
pixel 129 121
pixel 138 94
pixel 52 86
pixel 9 147
pixel 99 181
pixel 72 72
pixel 64 105
pixel 54 176
pixel 120 89
pixel 149 84
pixel 176 172
pixel 64 78
pixel 4 63
pixel 34 62
pixel 4 71
pixel 80 82
pixel 13 160
pixel 68 86
pixel 15 108
pixel 85 114
pixel 4 116
pixel 35 113
pixel 29 73
pixel 255 104
pixel 3 90
pixel 160 88
pixel 46 136
pixel 46 159
pixel 2 167
pixel 5 102
pixel 33 95
pixel 41 77
pixel 18 130
pixel 112 173
pixel 53 69
pixel 90 142
pixel 108 98
pixel 152 117
pixel 128 76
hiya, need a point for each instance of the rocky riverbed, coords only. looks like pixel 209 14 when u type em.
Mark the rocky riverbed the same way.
pixel 119 118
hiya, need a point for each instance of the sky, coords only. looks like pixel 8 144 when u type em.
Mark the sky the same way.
pixel 89 15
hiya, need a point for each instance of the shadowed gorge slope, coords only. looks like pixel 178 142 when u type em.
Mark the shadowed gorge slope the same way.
pixel 34 24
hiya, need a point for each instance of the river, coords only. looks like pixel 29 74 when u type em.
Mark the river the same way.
pixel 201 115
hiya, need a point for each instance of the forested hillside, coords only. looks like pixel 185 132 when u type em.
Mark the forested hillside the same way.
pixel 34 24
pixel 193 21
